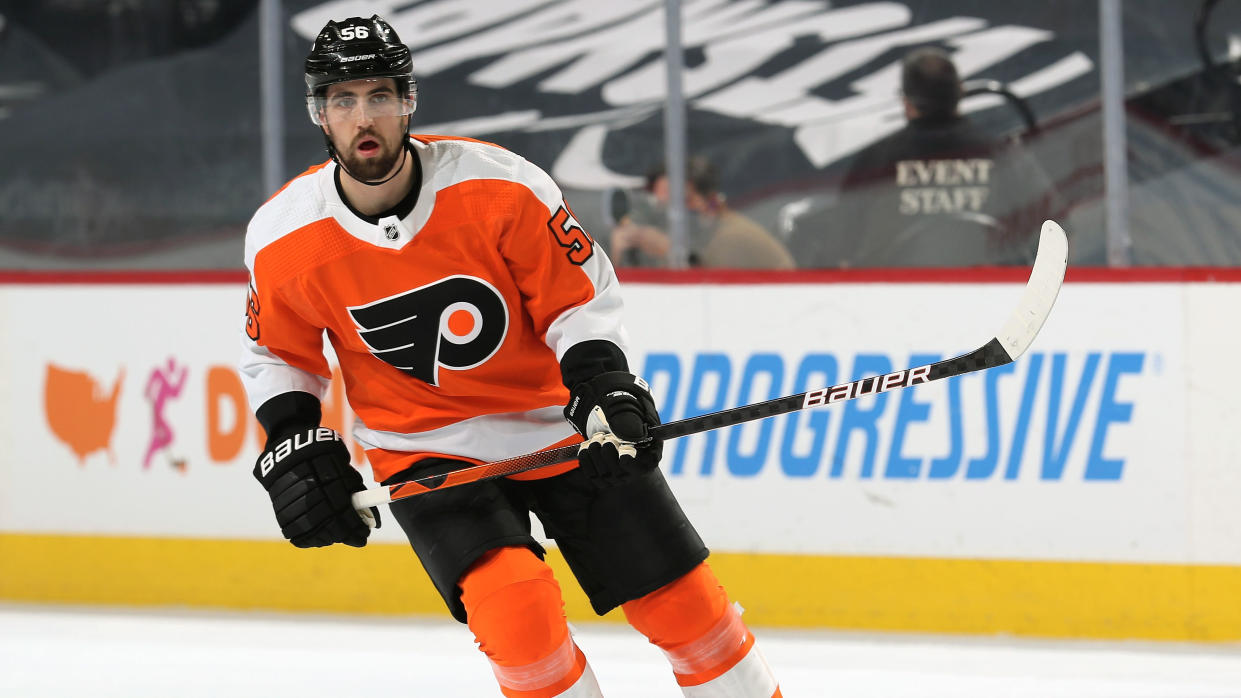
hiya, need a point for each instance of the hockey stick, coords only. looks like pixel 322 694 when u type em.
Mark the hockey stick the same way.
pixel 1012 341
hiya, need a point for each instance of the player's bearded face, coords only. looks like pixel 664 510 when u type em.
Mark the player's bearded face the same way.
pixel 371 151
pixel 365 119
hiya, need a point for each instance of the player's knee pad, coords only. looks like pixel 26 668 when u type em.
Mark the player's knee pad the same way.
pixel 513 606
pixel 515 610
pixel 711 651
pixel 679 612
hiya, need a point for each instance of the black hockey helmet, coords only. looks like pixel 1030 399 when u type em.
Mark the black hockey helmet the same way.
pixel 358 49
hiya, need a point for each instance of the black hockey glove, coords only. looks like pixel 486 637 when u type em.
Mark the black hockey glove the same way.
pixel 615 412
pixel 310 481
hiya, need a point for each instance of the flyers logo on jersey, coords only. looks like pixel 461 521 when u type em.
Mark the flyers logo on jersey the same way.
pixel 457 322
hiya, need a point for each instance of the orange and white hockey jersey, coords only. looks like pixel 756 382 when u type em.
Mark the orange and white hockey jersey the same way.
pixel 448 323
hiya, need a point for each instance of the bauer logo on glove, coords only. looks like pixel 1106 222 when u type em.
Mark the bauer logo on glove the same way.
pixel 311 482
pixel 294 443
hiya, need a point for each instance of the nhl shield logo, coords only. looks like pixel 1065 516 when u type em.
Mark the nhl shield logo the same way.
pixel 391 232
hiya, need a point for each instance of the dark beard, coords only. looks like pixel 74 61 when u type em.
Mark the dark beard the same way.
pixel 371 169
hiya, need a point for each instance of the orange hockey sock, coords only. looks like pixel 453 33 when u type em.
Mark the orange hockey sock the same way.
pixel 516 613
pixel 711 651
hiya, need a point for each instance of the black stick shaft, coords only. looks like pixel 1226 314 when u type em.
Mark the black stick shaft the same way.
pixel 988 356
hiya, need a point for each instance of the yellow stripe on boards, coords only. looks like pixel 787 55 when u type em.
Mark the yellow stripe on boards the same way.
pixel 1044 599
pixel 1032 598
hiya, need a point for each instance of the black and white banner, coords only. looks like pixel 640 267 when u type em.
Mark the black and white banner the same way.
pixel 130 132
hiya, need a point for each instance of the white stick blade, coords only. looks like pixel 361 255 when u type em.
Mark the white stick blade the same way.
pixel 1041 291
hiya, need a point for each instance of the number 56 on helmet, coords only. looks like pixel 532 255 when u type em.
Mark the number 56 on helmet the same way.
pixel 358 49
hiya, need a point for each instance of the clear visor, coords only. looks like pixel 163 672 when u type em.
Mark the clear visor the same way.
pixel 357 100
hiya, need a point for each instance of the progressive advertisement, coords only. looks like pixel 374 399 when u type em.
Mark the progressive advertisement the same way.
pixel 1063 454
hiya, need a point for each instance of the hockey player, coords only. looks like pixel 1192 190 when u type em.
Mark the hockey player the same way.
pixel 473 320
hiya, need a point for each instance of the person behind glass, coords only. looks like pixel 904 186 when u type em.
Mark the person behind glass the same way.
pixel 941 191
pixel 473 320
pixel 719 237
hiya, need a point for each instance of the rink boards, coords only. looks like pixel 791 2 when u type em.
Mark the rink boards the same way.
pixel 1089 489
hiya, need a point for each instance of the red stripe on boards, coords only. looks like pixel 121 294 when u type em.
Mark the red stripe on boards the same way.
pixel 979 275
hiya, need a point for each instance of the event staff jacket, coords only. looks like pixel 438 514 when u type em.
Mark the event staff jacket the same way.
pixel 448 322
pixel 935 179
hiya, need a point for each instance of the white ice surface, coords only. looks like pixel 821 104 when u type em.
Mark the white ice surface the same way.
pixel 55 652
